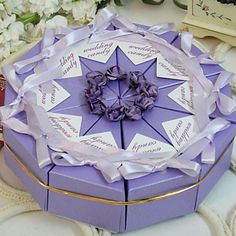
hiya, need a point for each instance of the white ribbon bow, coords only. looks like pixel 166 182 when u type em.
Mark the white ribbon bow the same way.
pixel 225 104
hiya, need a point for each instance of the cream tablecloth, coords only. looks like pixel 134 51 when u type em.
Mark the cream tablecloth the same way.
pixel 216 216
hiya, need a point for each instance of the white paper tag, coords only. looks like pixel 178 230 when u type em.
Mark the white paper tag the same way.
pixel 70 64
pixel 68 125
pixel 69 61
pixel 167 70
pixel 100 51
pixel 138 53
pixel 50 100
pixel 100 141
pixel 181 130
pixel 183 95
pixel 141 143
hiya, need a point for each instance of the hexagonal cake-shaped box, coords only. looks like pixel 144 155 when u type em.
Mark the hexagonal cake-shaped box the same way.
pixel 81 192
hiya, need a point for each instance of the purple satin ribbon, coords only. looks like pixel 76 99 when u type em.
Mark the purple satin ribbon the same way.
pixel 49 49
pixel 38 124
pixel 225 104
pixel 112 163
pixel 116 162
pixel 203 143
pixel 109 163
pixel 186 46
pixel 67 37
pixel 126 31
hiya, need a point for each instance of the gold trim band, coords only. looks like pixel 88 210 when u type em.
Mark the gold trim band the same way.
pixel 107 201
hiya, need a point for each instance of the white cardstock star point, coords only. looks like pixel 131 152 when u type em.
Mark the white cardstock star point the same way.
pixel 51 100
pixel 183 95
pixel 181 130
pixel 138 53
pixel 167 70
pixel 68 125
pixel 100 141
pixel 100 51
pixel 142 143
pixel 69 61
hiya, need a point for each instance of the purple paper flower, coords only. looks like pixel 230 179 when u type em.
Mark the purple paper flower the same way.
pixel 135 78
pixel 97 78
pixel 115 113
pixel 97 107
pixel 152 90
pixel 115 72
pixel 92 92
pixel 133 112
pixel 145 103
pixel 147 94
pixel 147 89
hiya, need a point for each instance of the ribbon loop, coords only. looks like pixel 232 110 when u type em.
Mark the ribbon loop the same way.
pixel 225 104
pixel 133 170
pixel 107 168
pixel 113 163
pixel 11 77
pixel 203 142
pixel 126 26
pixel 49 49
pixel 161 29
pixel 186 46
pixel 190 168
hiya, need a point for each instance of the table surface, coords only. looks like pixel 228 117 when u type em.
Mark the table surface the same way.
pixel 216 216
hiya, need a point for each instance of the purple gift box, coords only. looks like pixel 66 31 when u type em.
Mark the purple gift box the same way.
pixel 82 193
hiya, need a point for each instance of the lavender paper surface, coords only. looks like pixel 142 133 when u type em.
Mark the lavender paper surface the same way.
pixel 39 193
pixel 87 180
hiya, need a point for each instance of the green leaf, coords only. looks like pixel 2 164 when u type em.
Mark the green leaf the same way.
pixel 33 18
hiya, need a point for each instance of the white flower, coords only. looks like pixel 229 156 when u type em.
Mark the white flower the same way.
pixel 1 39
pixel 14 34
pixel 17 6
pixel 44 7
pixel 67 5
pixel 2 8
pixel 10 33
pixel 5 51
pixel 16 45
pixel 7 21
pixel 56 21
pixel 84 9
pixel 3 13
pixel 34 33
pixel 15 30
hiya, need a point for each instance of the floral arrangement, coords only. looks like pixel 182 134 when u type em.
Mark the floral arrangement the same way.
pixel 24 21
pixel 143 98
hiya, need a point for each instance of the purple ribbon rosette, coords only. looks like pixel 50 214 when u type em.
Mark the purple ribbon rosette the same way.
pixel 146 94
